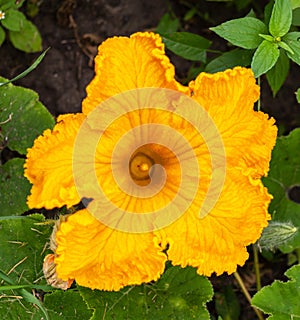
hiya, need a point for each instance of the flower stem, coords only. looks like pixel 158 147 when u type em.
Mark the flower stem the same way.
pixel 258 102
pixel 247 295
pixel 298 254
pixel 256 267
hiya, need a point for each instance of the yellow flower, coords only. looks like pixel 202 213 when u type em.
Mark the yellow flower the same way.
pixel 152 164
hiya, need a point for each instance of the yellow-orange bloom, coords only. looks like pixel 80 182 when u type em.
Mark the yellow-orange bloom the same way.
pixel 92 246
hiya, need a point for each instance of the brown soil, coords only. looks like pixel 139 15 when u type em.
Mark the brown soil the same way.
pixel 73 29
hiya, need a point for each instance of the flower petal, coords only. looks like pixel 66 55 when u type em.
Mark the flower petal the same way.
pixel 248 136
pixel 218 242
pixel 111 163
pixel 102 258
pixel 128 63
pixel 49 165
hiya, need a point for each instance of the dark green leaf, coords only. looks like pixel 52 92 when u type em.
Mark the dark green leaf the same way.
pixel 277 75
pixel 298 95
pixel 28 39
pixel 281 299
pixel 241 4
pixel 187 45
pixel 296 17
pixel 7 4
pixel 24 294
pixel 2 35
pixel 22 116
pixel 22 242
pixel 281 18
pixel 293 41
pixel 167 24
pixel 227 304
pixel 264 58
pixel 190 14
pixel 67 305
pixel 23 238
pixel 193 73
pixel 243 32
pixel 14 188
pixel 19 3
pixel 283 176
pixel 14 20
pixel 179 294
pixel 230 59
pixel 268 12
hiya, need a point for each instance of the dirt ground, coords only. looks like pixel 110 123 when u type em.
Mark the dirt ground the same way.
pixel 73 30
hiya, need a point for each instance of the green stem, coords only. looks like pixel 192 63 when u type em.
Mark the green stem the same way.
pixel 256 267
pixel 298 254
pixel 247 295
pixel 259 101
pixel 28 70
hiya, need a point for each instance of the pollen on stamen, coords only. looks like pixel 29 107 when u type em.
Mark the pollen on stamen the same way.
pixel 144 167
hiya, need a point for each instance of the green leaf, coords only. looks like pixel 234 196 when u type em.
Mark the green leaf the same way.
pixel 14 188
pixel 7 4
pixel 28 39
pixel 227 304
pixel 276 234
pixel 67 305
pixel 24 294
pixel 19 3
pixel 230 59
pixel 243 32
pixel 292 39
pixel 281 18
pixel 178 294
pixel 21 238
pixel 296 17
pixel 2 35
pixel 22 116
pixel 298 95
pixel 22 242
pixel 264 58
pixel 277 75
pixel 283 176
pixel 281 299
pixel 187 45
pixel 267 37
pixel 14 20
pixel 251 14
pixel 167 24
pixel 295 4
pixel 285 46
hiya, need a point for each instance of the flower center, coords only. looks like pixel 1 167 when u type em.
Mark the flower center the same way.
pixel 140 165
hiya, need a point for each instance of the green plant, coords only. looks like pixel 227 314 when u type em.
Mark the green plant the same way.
pixel 266 45
pixel 22 33
pixel 272 42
